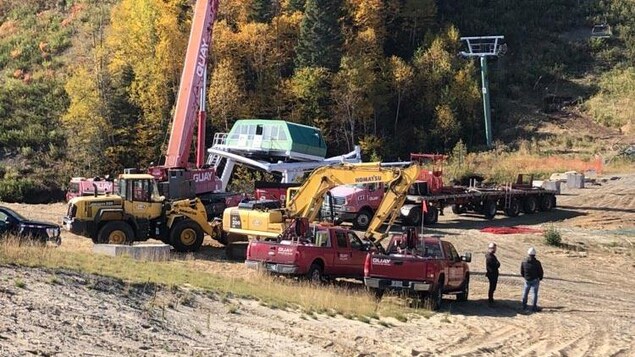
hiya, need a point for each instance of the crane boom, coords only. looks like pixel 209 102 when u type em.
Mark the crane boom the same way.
pixel 192 81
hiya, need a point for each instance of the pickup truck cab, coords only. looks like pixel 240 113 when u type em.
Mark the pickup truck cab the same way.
pixel 421 265
pixel 326 252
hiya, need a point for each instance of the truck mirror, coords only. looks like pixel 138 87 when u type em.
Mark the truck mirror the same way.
pixel 467 257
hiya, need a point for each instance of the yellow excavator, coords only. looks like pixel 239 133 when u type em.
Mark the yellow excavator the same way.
pixel 258 220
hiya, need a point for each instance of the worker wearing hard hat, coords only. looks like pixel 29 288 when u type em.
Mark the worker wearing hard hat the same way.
pixel 491 265
pixel 531 270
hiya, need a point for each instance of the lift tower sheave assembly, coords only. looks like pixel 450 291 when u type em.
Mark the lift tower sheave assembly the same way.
pixel 483 47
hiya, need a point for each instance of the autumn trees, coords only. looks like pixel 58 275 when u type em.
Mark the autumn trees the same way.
pixel 360 70
pixel 341 65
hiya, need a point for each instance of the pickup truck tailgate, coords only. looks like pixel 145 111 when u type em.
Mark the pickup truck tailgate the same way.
pixel 404 267
pixel 274 252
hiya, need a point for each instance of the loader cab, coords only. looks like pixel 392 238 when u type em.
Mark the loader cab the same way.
pixel 140 195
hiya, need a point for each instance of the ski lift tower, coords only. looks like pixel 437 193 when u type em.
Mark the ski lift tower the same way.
pixel 483 47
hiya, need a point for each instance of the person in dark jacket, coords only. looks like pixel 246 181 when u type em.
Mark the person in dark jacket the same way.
pixel 531 270
pixel 491 264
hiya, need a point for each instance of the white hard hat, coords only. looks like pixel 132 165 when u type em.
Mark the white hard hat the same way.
pixel 531 251
pixel 491 245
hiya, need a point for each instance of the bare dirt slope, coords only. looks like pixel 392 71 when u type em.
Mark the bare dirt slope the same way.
pixel 587 300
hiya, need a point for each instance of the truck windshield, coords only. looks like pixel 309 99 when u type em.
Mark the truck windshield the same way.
pixel 429 249
pixel 73 187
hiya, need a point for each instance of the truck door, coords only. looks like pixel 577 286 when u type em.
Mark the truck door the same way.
pixel 343 253
pixel 358 255
pixel 7 224
pixel 375 194
pixel 455 266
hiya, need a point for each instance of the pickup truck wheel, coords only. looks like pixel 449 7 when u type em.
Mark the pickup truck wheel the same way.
pixel 514 208
pixel 377 293
pixel 315 274
pixel 462 296
pixel 186 236
pixel 489 209
pixel 115 232
pixel 362 220
pixel 431 217
pixel 530 205
pixel 434 298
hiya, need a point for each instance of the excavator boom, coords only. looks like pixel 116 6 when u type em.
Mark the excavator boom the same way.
pixel 308 199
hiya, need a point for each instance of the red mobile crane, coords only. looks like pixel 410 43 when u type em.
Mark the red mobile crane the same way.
pixel 177 177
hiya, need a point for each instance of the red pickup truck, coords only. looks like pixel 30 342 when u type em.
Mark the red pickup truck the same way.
pixel 325 252
pixel 426 266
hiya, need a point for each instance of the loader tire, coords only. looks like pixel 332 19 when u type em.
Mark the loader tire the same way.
pixel 186 236
pixel 115 232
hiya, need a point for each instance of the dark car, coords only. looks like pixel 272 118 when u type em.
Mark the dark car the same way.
pixel 12 223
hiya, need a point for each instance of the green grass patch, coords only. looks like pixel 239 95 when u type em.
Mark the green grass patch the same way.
pixel 552 236
pixel 20 284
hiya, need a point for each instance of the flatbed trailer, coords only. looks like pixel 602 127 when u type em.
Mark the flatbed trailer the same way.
pixel 511 199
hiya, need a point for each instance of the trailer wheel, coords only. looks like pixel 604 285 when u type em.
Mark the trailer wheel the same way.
pixel 462 296
pixel 362 220
pixel 315 274
pixel 434 298
pixel 514 208
pixel 458 209
pixel 489 209
pixel 115 232
pixel 432 216
pixel 530 205
pixel 186 236
pixel 547 203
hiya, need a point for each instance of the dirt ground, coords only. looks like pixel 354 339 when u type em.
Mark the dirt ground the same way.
pixel 586 297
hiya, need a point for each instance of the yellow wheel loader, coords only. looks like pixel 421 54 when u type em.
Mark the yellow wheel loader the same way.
pixel 137 213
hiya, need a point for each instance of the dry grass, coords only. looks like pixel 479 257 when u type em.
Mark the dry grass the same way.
pixel 503 166
pixel 278 293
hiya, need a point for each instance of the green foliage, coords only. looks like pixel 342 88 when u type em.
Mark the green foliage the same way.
pixel 85 90
pixel 320 41
pixel 309 93
pixel 552 236
pixel 614 104
pixel 261 10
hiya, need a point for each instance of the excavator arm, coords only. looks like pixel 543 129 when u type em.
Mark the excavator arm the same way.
pixel 308 199
pixel 394 198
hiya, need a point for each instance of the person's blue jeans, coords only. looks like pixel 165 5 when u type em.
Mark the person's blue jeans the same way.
pixel 531 284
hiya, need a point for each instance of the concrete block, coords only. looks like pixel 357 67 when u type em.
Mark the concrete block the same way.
pixel 552 185
pixel 575 180
pixel 153 252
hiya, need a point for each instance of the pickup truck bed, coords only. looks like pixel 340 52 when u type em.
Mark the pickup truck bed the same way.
pixel 426 266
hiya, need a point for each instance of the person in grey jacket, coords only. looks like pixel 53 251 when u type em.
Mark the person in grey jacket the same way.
pixel 531 270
